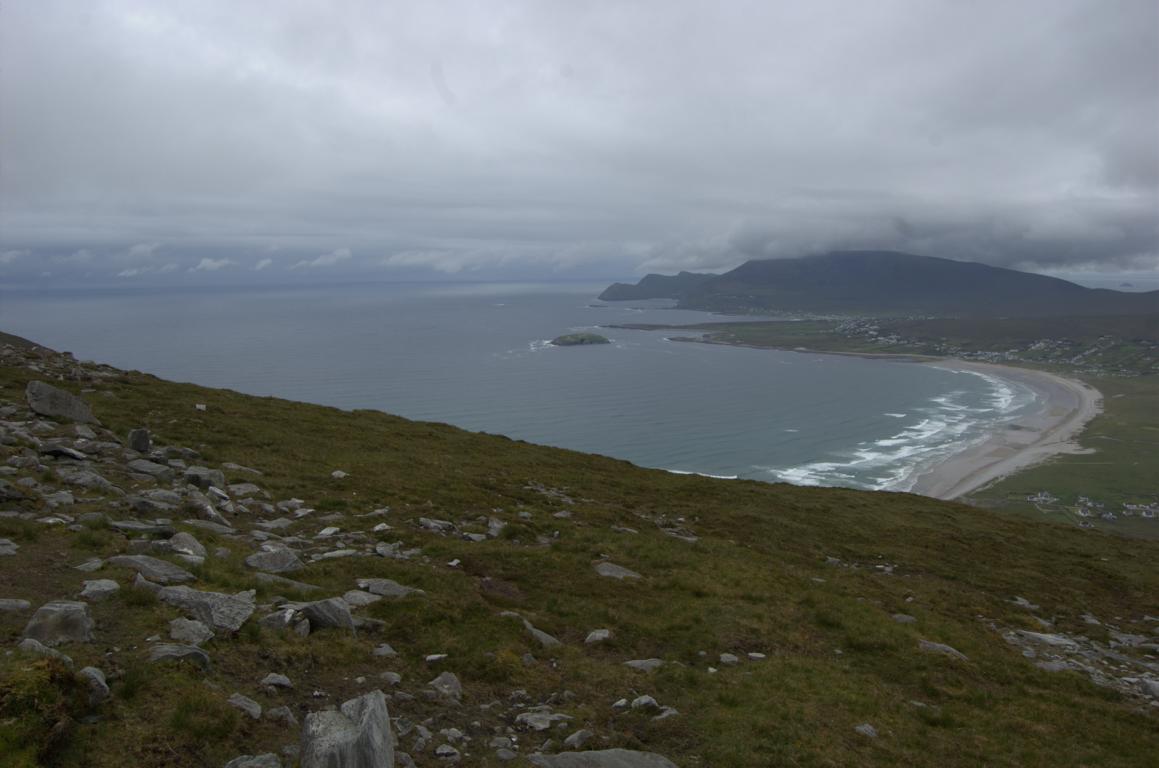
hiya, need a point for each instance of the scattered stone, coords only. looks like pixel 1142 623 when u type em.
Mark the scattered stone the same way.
pixel 90 565
pixel 447 685
pixel 945 650
pixel 276 680
pixel 268 760
pixel 613 571
pixel 282 714
pixel 387 588
pixel 189 632
pixel 246 705
pixel 204 477
pixel 98 589
pixel 185 543
pixel 539 719
pixel 28 645
pixel 219 611
pixel 645 665
pixel 140 440
pixel 12 605
pixel 275 559
pixel 386 651
pixel 867 730
pixel 904 618
pixel 8 547
pixel 98 686
pixel 447 752
pixel 754 656
pixel 729 659
pixel 159 472
pixel 606 758
pixel 338 474
pixel 598 636
pixel 1057 641
pixel 46 400
pixel 357 736
pixel 1022 602
pixel 142 528
pixel 390 678
pixel 59 622
pixel 327 614
pixel 173 652
pixel 281 581
pixel 356 598
pixel 578 739
pixel 645 703
pixel 151 568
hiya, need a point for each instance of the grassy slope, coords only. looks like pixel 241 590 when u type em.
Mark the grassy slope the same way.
pixel 756 581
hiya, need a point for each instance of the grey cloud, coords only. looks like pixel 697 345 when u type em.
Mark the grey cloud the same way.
pixel 595 138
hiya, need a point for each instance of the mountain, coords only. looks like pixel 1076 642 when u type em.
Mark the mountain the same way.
pixel 656 287
pixel 886 283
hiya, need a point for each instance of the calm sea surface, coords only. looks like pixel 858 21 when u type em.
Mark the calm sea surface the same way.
pixel 476 355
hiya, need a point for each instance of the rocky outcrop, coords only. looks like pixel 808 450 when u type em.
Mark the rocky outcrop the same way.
pixel 47 400
pixel 358 735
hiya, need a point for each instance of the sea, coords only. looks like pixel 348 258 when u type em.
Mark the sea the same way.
pixel 477 355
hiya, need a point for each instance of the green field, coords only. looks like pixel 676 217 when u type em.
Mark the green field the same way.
pixel 808 577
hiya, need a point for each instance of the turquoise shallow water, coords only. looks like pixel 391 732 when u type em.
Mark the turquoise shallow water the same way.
pixel 476 355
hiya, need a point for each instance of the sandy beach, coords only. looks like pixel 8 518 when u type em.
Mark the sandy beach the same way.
pixel 1065 407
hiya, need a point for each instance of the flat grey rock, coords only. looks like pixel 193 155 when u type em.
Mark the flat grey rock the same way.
pixel 204 477
pixel 160 472
pixel 613 571
pixel 598 636
pixel 13 605
pixel 268 760
pixel 356 598
pixel 275 560
pixel 189 632
pixel 187 543
pixel 47 400
pixel 327 614
pixel 59 622
pixel 98 589
pixel 153 569
pixel 387 588
pixel 645 665
pixel 945 650
pixel 356 736
pixel 142 527
pixel 277 681
pixel 246 705
pixel 604 758
pixel 173 652
pixel 28 645
pixel 216 610
pixel 98 685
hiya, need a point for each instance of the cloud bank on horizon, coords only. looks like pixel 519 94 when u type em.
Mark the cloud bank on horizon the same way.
pixel 262 139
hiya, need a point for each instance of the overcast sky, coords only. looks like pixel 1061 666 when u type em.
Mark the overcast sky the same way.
pixel 245 140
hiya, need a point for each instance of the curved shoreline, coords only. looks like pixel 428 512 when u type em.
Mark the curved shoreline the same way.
pixel 1066 407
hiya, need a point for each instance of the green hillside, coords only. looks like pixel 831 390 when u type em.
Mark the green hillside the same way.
pixel 959 636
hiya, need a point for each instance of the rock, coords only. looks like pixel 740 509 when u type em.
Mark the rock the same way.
pixel 447 752
pixel 159 472
pixel 8 547
pixel 219 611
pixel 387 588
pixel 505 755
pixel 867 730
pixel 326 614
pixel 1056 641
pixel 729 659
pixel 59 622
pixel 578 739
pixel 173 652
pixel 904 618
pixel 447 685
pixel 46 400
pixel 1150 687
pixel 645 665
pixel 356 598
pixel 189 632
pixel 645 703
pixel 385 650
pixel 275 559
pixel 598 636
pixel 538 719
pixel 357 736
pixel 98 686
pixel 281 581
pixel 268 760
pixel 12 605
pixel 338 474
pixel 604 758
pixel 276 680
pixel 930 647
pixel 246 705
pixel 28 645
pixel 282 715
pixel 612 571
pixel 151 568
pixel 186 544
pixel 391 678
pixel 204 477
pixel 98 589
pixel 142 527
pixel 140 440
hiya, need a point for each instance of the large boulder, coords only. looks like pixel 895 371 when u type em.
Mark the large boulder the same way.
pixel 153 569
pixel 356 736
pixel 216 610
pixel 61 621
pixel 47 400
pixel 604 758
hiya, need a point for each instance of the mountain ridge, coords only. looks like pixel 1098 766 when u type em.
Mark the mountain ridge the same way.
pixel 884 283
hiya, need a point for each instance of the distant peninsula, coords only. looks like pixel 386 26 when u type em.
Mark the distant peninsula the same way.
pixel 579 340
